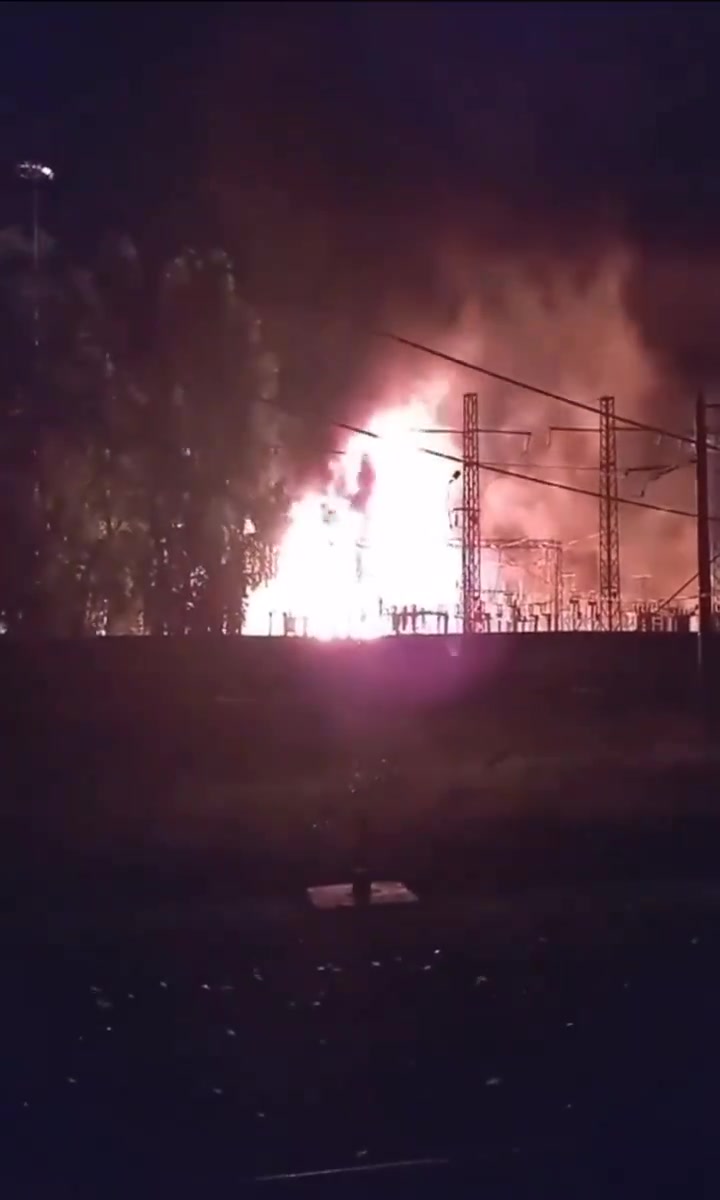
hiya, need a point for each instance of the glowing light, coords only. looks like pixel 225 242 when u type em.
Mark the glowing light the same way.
pixel 34 172
pixel 379 537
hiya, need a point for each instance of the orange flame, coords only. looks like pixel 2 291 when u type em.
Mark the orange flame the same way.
pixel 340 569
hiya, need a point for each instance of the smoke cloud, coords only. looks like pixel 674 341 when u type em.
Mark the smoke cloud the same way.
pixel 531 187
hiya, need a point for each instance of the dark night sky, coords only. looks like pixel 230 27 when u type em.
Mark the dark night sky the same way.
pixel 334 148
pixel 559 112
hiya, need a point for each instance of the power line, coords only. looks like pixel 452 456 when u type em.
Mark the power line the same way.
pixel 497 470
pixel 522 385
pixel 530 466
pixel 682 587
pixel 511 474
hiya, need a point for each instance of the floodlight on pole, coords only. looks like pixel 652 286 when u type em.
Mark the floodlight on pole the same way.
pixel 36 175
pixel 34 172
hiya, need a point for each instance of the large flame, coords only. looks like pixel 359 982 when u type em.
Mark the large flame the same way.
pixel 379 537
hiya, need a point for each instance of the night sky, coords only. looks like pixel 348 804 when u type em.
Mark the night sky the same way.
pixel 342 151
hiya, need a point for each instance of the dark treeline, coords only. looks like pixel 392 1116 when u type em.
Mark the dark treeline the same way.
pixel 141 476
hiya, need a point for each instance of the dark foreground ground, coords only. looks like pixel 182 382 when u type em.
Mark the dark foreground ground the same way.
pixel 553 1043
pixel 174 1017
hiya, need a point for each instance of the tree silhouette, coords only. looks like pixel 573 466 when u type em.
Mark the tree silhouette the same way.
pixel 142 475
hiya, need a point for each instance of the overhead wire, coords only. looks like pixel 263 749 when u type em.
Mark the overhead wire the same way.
pixel 495 469
pixel 686 584
pixel 523 385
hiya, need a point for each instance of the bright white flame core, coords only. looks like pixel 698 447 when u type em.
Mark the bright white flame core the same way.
pixel 339 568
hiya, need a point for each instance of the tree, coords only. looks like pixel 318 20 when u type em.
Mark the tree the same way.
pixel 220 452
pixel 141 469
pixel 51 372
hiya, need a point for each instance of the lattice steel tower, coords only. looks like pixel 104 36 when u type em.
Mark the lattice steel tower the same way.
pixel 714 500
pixel 609 546
pixel 471 545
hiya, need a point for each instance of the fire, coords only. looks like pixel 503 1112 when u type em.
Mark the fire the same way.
pixel 379 537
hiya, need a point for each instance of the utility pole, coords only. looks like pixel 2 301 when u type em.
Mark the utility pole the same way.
pixel 703 549
pixel 471 545
pixel 470 510
pixel 609 543
pixel 610 599
pixel 713 445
